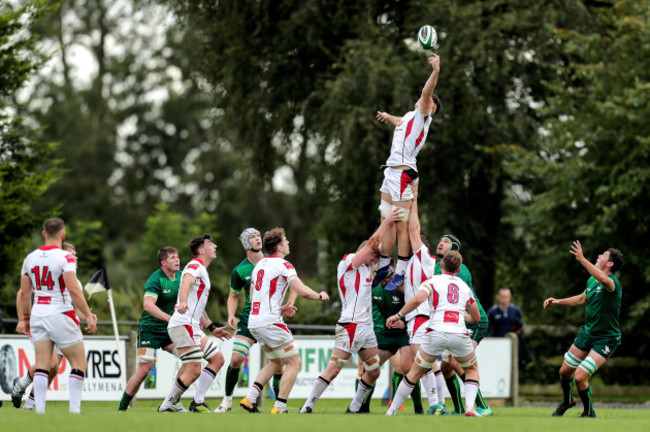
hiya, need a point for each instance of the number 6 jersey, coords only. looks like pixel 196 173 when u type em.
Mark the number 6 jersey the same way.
pixel 45 267
pixel 448 298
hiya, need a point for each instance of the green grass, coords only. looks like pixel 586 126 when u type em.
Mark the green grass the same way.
pixel 328 416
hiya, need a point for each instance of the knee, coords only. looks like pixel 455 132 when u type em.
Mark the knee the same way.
pixel 145 368
pixel 373 374
pixel 582 378
pixel 217 361
pixel 446 368
pixel 236 361
pixel 567 373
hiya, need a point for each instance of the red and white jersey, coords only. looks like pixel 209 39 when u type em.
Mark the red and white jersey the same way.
pixel 45 267
pixel 408 139
pixel 197 298
pixel 269 284
pixel 355 290
pixel 420 267
pixel 448 299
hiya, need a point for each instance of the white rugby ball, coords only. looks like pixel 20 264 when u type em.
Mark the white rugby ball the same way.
pixel 427 37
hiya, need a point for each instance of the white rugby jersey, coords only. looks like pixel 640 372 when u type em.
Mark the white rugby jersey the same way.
pixel 420 267
pixel 408 139
pixel 355 290
pixel 448 299
pixel 269 284
pixel 45 267
pixel 197 298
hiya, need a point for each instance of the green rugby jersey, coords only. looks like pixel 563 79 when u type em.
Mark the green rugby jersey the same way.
pixel 241 280
pixel 384 304
pixel 603 308
pixel 166 292
pixel 466 277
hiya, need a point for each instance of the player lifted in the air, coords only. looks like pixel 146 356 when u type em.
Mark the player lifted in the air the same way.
pixel 401 171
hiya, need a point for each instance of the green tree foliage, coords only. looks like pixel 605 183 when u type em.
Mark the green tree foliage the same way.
pixel 28 166
pixel 589 178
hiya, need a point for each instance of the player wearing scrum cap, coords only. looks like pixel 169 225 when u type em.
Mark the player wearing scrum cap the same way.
pixel 185 329
pixel 401 171
pixel 478 330
pixel 240 281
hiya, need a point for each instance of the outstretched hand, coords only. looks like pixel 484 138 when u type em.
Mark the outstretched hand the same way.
pixel 576 250
pixel 383 116
pixel 434 61
pixel 221 333
pixel 551 302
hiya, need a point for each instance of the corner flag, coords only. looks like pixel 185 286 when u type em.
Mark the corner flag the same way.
pixel 98 282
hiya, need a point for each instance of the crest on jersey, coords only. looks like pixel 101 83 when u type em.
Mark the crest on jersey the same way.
pixel 193 266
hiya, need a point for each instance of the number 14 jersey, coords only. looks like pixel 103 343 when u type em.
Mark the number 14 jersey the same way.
pixel 448 298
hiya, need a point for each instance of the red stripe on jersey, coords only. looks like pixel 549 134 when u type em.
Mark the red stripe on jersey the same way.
pixel 282 326
pixel 408 128
pixel 189 330
pixel 72 315
pixel 201 288
pixel 342 284
pixel 62 284
pixel 419 140
pixel 357 282
pixel 198 259
pixel 435 298
pixel 419 320
pixel 70 258
pixel 273 286
pixel 193 266
pixel 351 329
pixel 288 265
pixel 50 247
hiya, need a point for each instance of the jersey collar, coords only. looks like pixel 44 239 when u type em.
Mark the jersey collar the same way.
pixel 50 247
pixel 199 260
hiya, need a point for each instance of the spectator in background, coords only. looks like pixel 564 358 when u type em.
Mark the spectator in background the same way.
pixel 505 318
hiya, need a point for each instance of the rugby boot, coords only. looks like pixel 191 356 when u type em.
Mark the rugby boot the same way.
pixel 17 393
pixel 395 283
pixel 562 408
pixel 249 406
pixel 199 407
pixel 276 410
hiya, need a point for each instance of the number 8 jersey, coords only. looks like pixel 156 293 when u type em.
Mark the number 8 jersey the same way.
pixel 269 284
pixel 45 267
pixel 448 298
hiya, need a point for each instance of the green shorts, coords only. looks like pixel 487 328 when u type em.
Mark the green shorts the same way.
pixel 392 341
pixel 152 337
pixel 603 345
pixel 242 329
pixel 478 331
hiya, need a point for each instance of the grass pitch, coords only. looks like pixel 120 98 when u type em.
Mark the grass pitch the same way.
pixel 328 416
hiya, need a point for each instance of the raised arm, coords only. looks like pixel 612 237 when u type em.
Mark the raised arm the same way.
pixel 373 242
pixel 414 302
pixel 384 117
pixel 576 249
pixel 426 101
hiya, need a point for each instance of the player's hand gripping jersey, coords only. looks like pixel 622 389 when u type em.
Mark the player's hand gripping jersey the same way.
pixel 448 299
pixel 45 267
pixel 420 267
pixel 197 298
pixel 355 290
pixel 408 139
pixel 269 284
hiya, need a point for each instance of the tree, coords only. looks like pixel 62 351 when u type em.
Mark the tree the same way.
pixel 28 167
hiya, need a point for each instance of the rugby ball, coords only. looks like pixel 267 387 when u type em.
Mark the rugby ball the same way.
pixel 427 37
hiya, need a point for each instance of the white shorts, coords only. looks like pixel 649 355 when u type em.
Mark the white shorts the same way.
pixel 61 328
pixel 398 184
pixel 417 329
pixel 272 335
pixel 185 335
pixel 353 338
pixel 458 344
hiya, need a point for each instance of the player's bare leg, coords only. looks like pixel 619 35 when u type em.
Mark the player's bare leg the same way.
pixel 76 355
pixel 421 365
pixel 187 374
pixel 587 368
pixel 241 347
pixel 372 370
pixel 404 251
pixel 338 359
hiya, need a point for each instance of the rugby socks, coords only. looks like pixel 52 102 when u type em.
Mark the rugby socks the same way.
pixel 254 392
pixel 281 404
pixel 429 383
pixel 567 391
pixel 383 261
pixel 203 384
pixel 416 395
pixel 30 403
pixel 453 385
pixel 471 390
pixel 174 395
pixel 587 401
pixel 365 406
pixel 440 386
pixel 403 391
pixel 396 379
pixel 75 387
pixel 320 385
pixel 362 391
pixel 480 402
pixel 276 384
pixel 25 381
pixel 402 262
pixel 125 402
pixel 40 389
pixel 232 376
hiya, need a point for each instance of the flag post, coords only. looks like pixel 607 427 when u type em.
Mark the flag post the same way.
pixel 98 283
